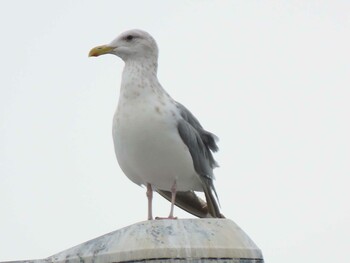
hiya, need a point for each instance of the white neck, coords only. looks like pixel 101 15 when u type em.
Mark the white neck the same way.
pixel 139 78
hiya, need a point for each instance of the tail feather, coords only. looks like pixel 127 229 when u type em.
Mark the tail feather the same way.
pixel 194 205
pixel 213 205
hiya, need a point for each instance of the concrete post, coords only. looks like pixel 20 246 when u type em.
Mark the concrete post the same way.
pixel 161 241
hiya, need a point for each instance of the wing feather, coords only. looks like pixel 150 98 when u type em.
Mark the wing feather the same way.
pixel 200 143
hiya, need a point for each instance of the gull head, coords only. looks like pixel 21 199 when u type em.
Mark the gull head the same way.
pixel 131 45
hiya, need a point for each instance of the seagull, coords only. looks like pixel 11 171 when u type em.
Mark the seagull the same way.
pixel 158 142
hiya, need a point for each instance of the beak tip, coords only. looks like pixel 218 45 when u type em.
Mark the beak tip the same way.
pixel 92 53
pixel 100 50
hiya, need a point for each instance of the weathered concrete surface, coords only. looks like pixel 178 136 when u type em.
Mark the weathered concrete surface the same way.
pixel 158 241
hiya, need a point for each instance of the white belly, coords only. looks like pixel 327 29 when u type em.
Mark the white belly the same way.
pixel 149 148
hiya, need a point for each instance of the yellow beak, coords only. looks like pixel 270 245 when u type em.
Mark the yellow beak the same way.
pixel 100 50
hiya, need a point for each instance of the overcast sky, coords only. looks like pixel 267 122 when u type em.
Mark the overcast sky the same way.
pixel 270 78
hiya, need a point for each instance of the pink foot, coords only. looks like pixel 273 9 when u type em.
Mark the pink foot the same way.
pixel 169 217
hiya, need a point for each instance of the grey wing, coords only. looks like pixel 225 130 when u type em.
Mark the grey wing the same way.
pixel 209 139
pixel 200 144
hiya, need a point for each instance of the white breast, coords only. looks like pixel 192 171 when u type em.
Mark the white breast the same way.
pixel 148 146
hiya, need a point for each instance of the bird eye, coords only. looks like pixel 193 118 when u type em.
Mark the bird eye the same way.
pixel 129 38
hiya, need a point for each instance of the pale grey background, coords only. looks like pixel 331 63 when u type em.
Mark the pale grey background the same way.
pixel 270 78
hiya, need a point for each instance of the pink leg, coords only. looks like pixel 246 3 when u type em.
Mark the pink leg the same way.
pixel 149 195
pixel 173 197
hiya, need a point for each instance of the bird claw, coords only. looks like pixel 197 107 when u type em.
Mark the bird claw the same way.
pixel 169 217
